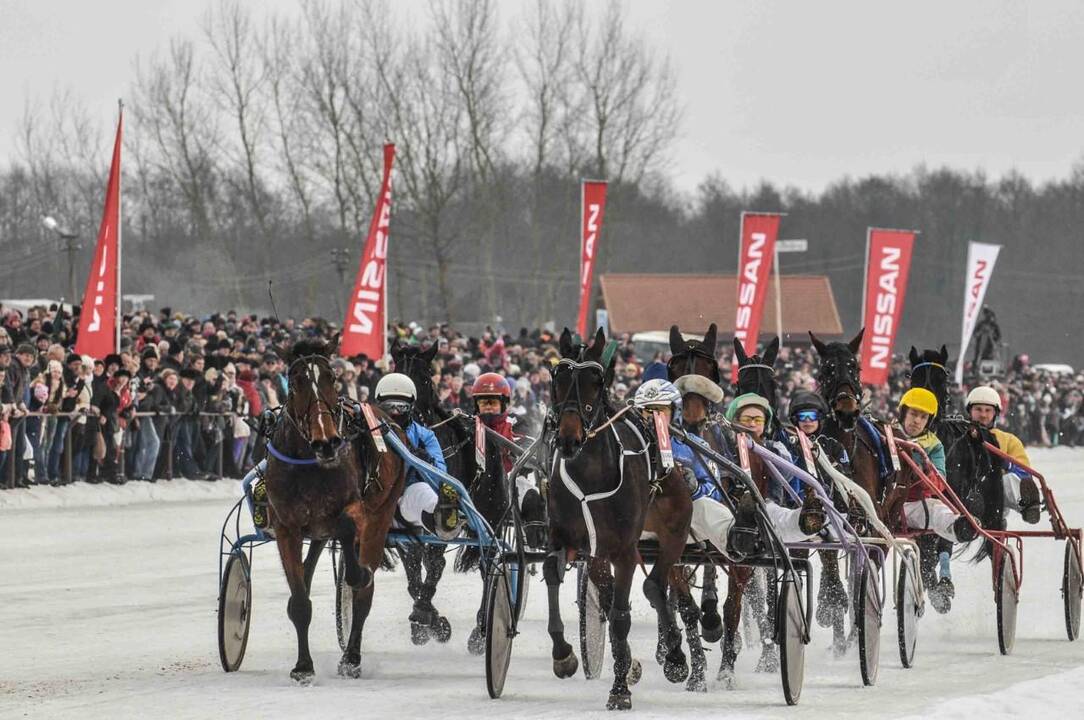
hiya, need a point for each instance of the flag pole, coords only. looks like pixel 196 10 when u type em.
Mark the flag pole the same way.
pixel 120 224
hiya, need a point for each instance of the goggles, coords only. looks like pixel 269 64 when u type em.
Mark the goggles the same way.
pixel 751 420
pixel 808 415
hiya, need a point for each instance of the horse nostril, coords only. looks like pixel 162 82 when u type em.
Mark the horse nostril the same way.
pixel 335 443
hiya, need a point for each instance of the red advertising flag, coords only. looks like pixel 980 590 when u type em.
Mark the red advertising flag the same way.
pixel 888 262
pixel 365 327
pixel 98 317
pixel 755 255
pixel 593 198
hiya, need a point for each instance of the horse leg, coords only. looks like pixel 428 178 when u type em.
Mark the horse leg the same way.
pixel 736 584
pixel 710 622
pixel 311 559
pixel 769 651
pixel 676 582
pixel 476 643
pixel 832 600
pixel 411 556
pixel 690 616
pixel 620 624
pixel 675 666
pixel 363 588
pixel 299 607
pixel 565 662
pixel 424 613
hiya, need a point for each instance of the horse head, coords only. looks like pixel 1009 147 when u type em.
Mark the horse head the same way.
pixel 312 404
pixel 692 357
pixel 838 376
pixel 756 373
pixel 578 389
pixel 929 371
pixel 417 364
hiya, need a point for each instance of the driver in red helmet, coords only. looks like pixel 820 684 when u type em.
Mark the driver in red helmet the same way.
pixel 492 395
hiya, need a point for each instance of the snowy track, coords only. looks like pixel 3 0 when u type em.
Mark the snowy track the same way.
pixel 109 611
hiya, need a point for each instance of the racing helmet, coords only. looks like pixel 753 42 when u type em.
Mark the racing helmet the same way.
pixel 657 393
pixel 492 384
pixel 983 395
pixel 919 399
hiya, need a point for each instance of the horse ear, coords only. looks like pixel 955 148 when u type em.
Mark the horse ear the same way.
pixel 709 338
pixel 564 344
pixel 817 344
pixel 677 343
pixel 856 341
pixel 914 356
pixel 944 355
pixel 771 352
pixel 285 352
pixel 739 352
pixel 430 353
pixel 332 346
pixel 595 351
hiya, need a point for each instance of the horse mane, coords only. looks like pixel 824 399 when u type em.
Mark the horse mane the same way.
pixel 310 346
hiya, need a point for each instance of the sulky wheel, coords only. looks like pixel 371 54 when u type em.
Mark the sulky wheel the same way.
pixel 908 604
pixel 1006 597
pixel 869 607
pixel 1071 584
pixel 234 611
pixel 499 628
pixel 592 624
pixel 344 603
pixel 791 627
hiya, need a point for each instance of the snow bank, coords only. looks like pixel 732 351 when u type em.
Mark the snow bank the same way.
pixel 106 495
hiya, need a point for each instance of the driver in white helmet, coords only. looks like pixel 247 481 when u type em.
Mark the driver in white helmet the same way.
pixel 712 521
pixel 420 505
pixel 1020 490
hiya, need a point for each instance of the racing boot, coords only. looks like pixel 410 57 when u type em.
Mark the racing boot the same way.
pixel 811 519
pixel 743 539
pixel 447 516
pixel 260 517
pixel 1030 500
pixel 964 530
pixel 533 513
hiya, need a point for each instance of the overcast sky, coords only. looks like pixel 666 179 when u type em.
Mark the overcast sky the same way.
pixel 799 93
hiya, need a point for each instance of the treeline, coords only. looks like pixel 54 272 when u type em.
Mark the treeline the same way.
pixel 253 151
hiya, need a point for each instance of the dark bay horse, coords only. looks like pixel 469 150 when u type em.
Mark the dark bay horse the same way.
pixel 456 438
pixel 323 485
pixel 839 383
pixel 973 473
pixel 601 499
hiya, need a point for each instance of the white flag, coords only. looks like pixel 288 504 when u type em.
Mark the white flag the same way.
pixel 980 266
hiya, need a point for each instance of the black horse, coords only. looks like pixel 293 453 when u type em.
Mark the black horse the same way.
pixel 486 486
pixel 839 382
pixel 973 473
pixel 603 495
pixel 321 485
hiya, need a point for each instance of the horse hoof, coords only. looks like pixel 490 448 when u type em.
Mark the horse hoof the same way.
pixel 303 678
pixel 348 669
pixel 636 671
pixel 442 630
pixel 769 660
pixel 567 666
pixel 619 701
pixel 711 628
pixel 696 683
pixel 476 643
pixel 727 679
pixel 419 634
pixel 676 669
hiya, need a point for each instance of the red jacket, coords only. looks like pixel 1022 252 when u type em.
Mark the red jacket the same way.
pixel 247 382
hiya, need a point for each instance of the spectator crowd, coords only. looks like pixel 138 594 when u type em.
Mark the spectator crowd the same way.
pixel 175 399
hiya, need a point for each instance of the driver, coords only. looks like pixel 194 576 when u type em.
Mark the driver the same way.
pixel 420 505
pixel 1018 486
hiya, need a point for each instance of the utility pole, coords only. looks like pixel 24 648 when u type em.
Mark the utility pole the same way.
pixel 340 258
pixel 69 246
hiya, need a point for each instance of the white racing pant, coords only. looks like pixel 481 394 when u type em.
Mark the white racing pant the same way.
pixel 931 514
pixel 785 521
pixel 711 522
pixel 417 498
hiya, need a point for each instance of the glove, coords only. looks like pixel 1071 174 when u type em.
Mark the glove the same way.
pixel 690 479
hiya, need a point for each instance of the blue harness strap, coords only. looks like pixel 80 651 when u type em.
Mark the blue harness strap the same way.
pixel 883 463
pixel 279 455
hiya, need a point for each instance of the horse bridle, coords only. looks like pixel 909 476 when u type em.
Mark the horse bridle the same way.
pixel 335 412
pixel 691 353
pixel 589 415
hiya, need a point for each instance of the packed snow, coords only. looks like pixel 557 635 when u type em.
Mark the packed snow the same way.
pixel 109 600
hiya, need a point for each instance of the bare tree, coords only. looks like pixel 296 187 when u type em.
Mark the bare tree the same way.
pixel 629 97
pixel 236 83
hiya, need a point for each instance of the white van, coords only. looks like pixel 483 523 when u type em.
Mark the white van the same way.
pixel 647 344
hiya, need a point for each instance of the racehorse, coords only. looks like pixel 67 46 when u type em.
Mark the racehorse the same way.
pixel 603 495
pixel 456 438
pixel 322 485
pixel 973 473
pixel 694 357
pixel 839 383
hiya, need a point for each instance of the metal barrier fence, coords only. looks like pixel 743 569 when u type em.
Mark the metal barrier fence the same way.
pixel 167 443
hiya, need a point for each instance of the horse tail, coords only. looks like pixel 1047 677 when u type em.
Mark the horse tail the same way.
pixel 468 558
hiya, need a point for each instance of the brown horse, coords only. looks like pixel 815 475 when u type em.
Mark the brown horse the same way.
pixel 600 501
pixel 323 486
pixel 839 383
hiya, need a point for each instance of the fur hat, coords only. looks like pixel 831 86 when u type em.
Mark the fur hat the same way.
pixel 699 385
pixel 748 400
